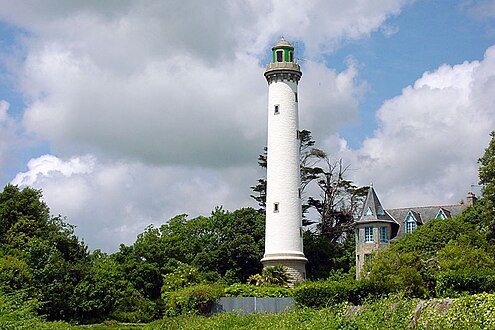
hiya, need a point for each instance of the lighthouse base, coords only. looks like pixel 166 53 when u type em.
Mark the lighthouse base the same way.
pixel 295 264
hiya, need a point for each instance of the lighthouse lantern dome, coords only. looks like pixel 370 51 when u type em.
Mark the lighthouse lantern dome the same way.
pixel 283 51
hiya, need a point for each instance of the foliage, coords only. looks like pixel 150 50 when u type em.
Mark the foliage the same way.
pixel 391 312
pixel 339 201
pixel 276 275
pixel 413 262
pixel 455 283
pixel 226 244
pixel 470 312
pixel 104 292
pixel 487 170
pixel 19 312
pixel 50 259
pixel 325 255
pixel 321 294
pixel 463 254
pixel 196 299
pixel 184 275
pixel 398 272
pixel 329 245
pixel 487 180
pixel 248 290
pixel 14 274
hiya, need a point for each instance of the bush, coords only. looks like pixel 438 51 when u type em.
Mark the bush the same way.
pixel 321 294
pixel 19 312
pixel 184 275
pixel 470 312
pixel 197 299
pixel 455 283
pixel 248 290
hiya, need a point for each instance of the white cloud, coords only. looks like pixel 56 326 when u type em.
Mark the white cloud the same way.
pixel 9 139
pixel 328 98
pixel 112 202
pixel 167 100
pixel 178 83
pixel 431 136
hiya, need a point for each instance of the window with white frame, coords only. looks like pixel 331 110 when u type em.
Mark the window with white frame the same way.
pixel 410 223
pixel 368 211
pixel 383 234
pixel 380 211
pixel 368 235
pixel 441 215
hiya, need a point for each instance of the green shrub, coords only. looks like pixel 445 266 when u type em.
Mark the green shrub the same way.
pixel 197 299
pixel 470 312
pixel 14 274
pixel 184 275
pixel 322 294
pixel 248 290
pixel 19 312
pixel 455 283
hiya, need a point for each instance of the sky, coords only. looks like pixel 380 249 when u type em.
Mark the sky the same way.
pixel 127 113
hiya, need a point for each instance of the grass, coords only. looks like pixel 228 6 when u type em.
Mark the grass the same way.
pixel 394 312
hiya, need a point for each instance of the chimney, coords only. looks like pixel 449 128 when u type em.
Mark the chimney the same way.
pixel 471 199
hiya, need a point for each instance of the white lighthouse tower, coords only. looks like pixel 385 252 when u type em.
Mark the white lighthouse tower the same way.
pixel 283 235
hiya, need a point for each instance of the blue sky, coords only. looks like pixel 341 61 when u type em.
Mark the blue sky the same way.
pixel 427 35
pixel 127 113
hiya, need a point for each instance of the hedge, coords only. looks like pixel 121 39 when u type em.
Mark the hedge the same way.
pixel 321 294
pixel 455 283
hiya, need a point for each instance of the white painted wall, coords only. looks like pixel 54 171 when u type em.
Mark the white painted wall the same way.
pixel 283 228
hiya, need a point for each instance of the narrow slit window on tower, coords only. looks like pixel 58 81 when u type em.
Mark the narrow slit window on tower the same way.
pixel 299 192
pixel 275 207
pixel 280 55
pixel 277 109
pixel 291 57
pixel 295 96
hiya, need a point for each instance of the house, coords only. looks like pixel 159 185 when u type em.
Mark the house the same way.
pixel 376 226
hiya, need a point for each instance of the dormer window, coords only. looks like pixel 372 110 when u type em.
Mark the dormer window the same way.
pixel 410 223
pixel 380 211
pixel 280 55
pixel 368 211
pixel 441 215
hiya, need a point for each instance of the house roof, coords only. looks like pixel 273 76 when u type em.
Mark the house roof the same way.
pixel 423 214
pixel 373 210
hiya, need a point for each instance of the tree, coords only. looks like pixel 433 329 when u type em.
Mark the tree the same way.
pixel 339 200
pixel 487 180
pixel 55 258
pixel 226 245
pixel 415 261
pixel 487 171
pixel 307 155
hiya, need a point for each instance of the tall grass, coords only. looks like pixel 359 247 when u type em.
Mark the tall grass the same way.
pixel 394 312
pixel 17 313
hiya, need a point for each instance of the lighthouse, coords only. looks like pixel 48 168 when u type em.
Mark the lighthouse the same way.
pixel 283 232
